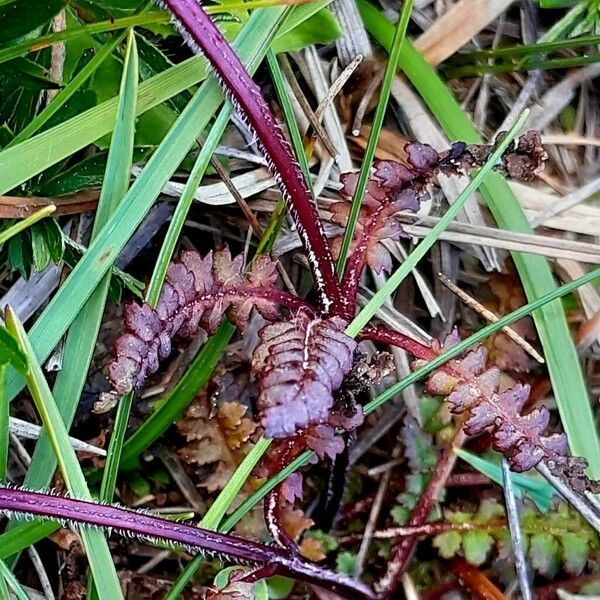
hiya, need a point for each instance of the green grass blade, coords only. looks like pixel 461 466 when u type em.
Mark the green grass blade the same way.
pixel 4 424
pixel 81 338
pixel 289 117
pixel 27 222
pixel 113 454
pixel 251 45
pixel 29 533
pixel 94 542
pixel 61 98
pixel 83 332
pixel 536 277
pixel 3 585
pixel 539 490
pixel 183 205
pixel 382 295
pixel 8 577
pixel 29 45
pixel 526 50
pixel 527 65
pixel 258 495
pixel 224 500
pixel 25 160
pixel 367 163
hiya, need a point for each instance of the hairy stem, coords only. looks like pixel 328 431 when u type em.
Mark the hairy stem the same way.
pixel 201 34
pixel 146 526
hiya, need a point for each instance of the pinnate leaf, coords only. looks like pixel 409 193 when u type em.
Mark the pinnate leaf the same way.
pixel 555 540
pixel 448 543
pixel 396 186
pixel 197 293
pixel 299 364
pixel 472 388
pixel 220 439
pixel 384 198
pixel 544 552
pixel 476 546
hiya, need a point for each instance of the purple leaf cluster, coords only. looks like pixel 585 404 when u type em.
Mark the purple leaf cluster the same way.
pixel 299 365
pixel 473 388
pixel 395 187
pixel 197 293
pixel 386 195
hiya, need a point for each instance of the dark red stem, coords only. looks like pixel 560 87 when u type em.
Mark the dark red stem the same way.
pixel 403 551
pixel 194 538
pixel 247 97
pixel 376 333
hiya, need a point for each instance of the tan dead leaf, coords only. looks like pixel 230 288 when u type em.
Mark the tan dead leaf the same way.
pixel 237 428
pixel 295 522
pixel 64 538
pixel 312 549
pixel 220 437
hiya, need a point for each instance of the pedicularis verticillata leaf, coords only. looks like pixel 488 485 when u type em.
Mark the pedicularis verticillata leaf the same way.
pixel 299 364
pixel 472 388
pixel 197 293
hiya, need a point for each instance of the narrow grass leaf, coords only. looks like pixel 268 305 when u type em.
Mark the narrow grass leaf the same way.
pixel 3 585
pixel 27 222
pixel 538 490
pixel 536 277
pixel 289 117
pixel 9 578
pixel 184 204
pixel 23 161
pixel 94 542
pixel 83 332
pixel 113 454
pixel 4 424
pixel 367 162
pixel 382 295
pixel 61 98
pixel 81 338
pixel 34 44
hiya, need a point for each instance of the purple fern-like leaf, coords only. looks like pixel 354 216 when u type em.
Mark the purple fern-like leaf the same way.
pixel 472 389
pixel 197 293
pixel 299 365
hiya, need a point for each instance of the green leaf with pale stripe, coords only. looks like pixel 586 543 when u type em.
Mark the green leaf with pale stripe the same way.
pixel 94 541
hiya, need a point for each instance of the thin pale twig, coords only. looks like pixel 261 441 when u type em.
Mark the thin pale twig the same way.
pixel 371 524
pixel 516 536
pixel 38 565
pixel 337 86
pixel 568 201
pixel 490 316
